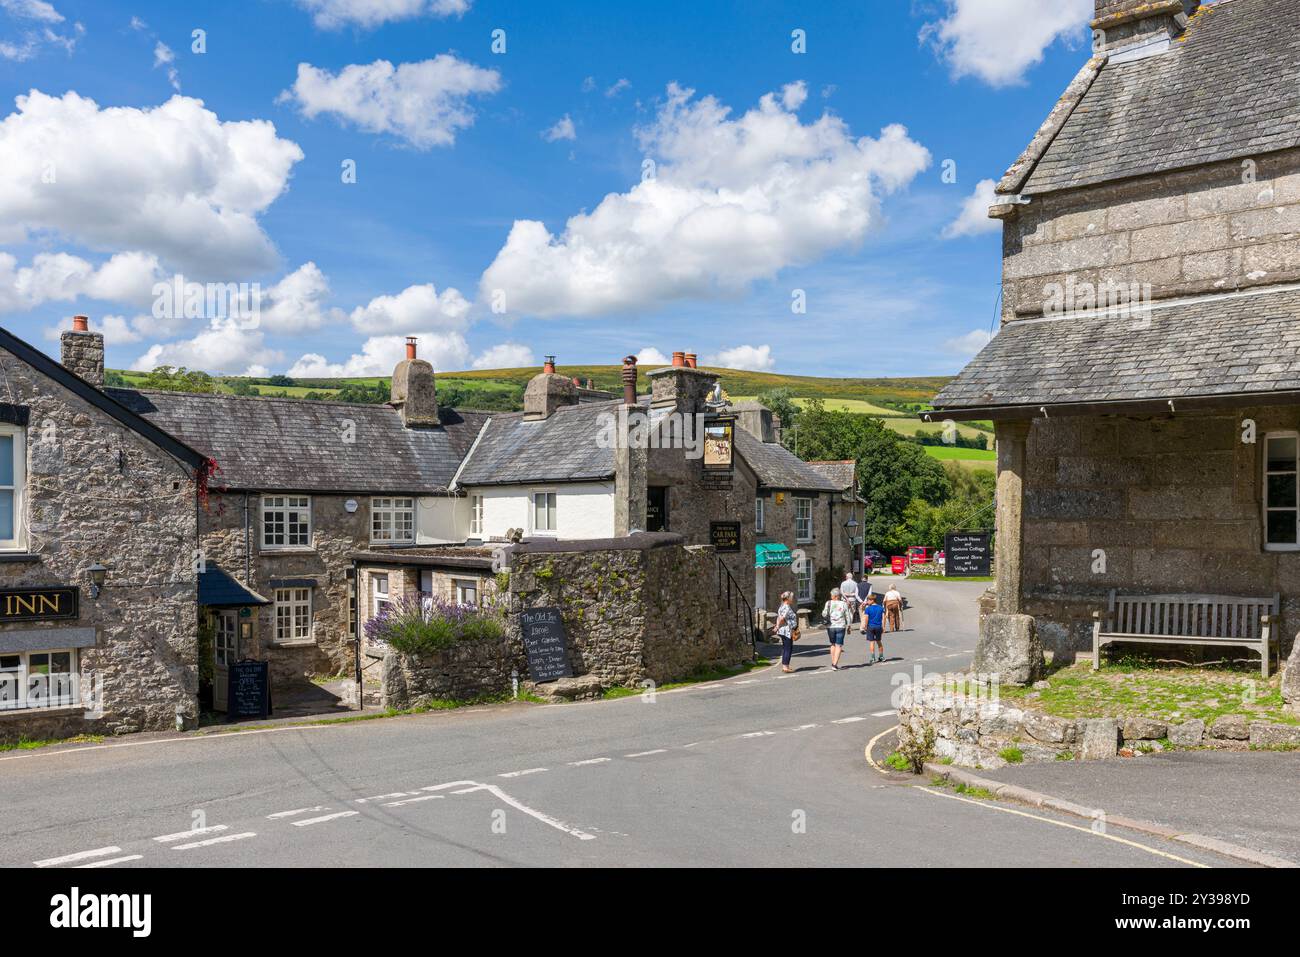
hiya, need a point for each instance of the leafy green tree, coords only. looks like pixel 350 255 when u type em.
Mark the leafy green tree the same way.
pixel 169 379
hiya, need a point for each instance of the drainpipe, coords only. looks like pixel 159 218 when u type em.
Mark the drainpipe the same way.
pixel 356 636
pixel 248 557
pixel 830 528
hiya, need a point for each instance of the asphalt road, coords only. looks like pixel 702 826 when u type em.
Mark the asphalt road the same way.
pixel 763 769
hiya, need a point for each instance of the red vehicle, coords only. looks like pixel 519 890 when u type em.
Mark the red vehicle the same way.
pixel 919 555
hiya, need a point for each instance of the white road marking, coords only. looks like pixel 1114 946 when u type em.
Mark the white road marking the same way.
pixel 758 734
pixel 415 800
pixel 214 840
pixel 944 647
pixel 1073 827
pixel 307 822
pixel 578 764
pixel 384 797
pixel 642 754
pixel 79 856
pixel 111 861
pixel 883 714
pixel 168 838
pixel 957 655
pixel 544 818
pixel 747 681
pixel 520 774
pixel 856 717
pixel 804 727
pixel 449 784
pixel 691 745
pixel 477 787
pixel 296 811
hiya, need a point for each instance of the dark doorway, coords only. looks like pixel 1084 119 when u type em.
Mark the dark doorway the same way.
pixel 656 509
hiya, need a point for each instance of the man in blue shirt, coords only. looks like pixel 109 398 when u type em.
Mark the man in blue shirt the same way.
pixel 873 624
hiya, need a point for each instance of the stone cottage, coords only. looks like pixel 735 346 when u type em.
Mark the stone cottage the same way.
pixel 98 538
pixel 1145 380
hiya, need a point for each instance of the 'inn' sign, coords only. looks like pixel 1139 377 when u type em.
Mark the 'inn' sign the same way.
pixel 37 604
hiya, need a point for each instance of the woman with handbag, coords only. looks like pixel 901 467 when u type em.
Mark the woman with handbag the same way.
pixel 787 627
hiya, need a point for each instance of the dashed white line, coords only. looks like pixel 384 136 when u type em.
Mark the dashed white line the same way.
pixel 804 727
pixel 758 734
pixel 520 774
pixel 856 717
pixel 642 754
pixel 449 784
pixel 883 714
pixel 307 822
pixel 385 797
pixel 111 861
pixel 225 839
pixel 415 800
pixel 578 764
pixel 747 681
pixel 79 856
pixel 957 655
pixel 295 812
pixel 168 838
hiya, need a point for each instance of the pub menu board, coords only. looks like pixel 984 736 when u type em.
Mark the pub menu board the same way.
pixel 968 554
pixel 546 643
pixel 250 690
pixel 725 536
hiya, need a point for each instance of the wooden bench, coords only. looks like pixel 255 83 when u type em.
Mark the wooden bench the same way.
pixel 1187 620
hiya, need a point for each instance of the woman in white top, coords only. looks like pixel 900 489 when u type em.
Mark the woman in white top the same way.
pixel 836 615
pixel 787 623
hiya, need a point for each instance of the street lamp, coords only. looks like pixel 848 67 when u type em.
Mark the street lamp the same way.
pixel 98 575
pixel 850 532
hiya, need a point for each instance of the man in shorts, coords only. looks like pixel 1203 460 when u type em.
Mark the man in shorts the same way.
pixel 873 624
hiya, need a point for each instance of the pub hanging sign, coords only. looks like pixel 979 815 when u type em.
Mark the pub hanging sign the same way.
pixel 38 604
pixel 719 443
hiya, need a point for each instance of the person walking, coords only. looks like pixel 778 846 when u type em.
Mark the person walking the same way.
pixel 787 628
pixel 873 614
pixel 835 613
pixel 849 595
pixel 894 608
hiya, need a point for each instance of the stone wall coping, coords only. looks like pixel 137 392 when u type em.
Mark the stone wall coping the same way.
pixel 640 541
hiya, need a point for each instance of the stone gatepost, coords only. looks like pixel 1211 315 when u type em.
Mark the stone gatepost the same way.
pixel 1008 643
pixel 1291 679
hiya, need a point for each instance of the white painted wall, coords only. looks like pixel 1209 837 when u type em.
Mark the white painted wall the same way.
pixel 441 519
pixel 583 509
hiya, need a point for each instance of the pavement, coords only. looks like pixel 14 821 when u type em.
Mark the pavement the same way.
pixel 1247 798
pixel 757 770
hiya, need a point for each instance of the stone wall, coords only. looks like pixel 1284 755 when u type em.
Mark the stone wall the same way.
pixel 100 492
pixel 972 728
pixel 466 671
pixel 1173 503
pixel 1213 229
pixel 640 608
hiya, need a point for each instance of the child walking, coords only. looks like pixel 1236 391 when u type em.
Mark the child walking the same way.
pixel 873 624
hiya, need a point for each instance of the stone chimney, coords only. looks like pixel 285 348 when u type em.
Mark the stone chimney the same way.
pixel 1133 26
pixel 756 419
pixel 631 460
pixel 548 391
pixel 683 387
pixel 413 391
pixel 83 351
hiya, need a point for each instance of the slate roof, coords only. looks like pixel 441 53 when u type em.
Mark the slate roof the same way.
pixel 561 448
pixel 778 468
pixel 1210 346
pixel 1226 89
pixel 843 473
pixel 297 445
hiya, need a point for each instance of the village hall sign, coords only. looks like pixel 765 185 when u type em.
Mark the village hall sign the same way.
pixel 38 604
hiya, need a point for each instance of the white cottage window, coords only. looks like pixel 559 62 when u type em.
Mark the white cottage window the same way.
pixel 286 521
pixel 803 589
pixel 13 481
pixel 292 614
pixel 392 521
pixel 476 514
pixel 1281 491
pixel 803 520
pixel 760 516
pixel 544 512
pixel 38 679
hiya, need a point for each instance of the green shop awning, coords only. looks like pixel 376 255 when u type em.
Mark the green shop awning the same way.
pixel 772 555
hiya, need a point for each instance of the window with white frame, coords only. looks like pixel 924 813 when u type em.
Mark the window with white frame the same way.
pixel 13 468
pixel 1281 493
pixel 292 614
pixel 286 521
pixel 803 589
pixel 381 599
pixel 466 590
pixel 476 514
pixel 38 679
pixel 392 520
pixel 544 512
pixel 760 516
pixel 803 520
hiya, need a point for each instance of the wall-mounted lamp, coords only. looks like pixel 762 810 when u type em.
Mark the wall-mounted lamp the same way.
pixel 98 575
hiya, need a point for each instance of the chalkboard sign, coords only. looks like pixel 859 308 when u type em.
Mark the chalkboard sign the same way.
pixel 546 643
pixel 250 690
pixel 968 554
pixel 725 536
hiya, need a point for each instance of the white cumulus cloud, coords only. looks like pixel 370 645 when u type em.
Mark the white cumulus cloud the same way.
pixel 753 358
pixel 731 201
pixel 997 41
pixel 224 347
pixel 36 20
pixel 61 277
pixel 974 216
pixel 650 356
pixel 415 307
pixel 562 130
pixel 969 344
pixel 425 103
pixel 506 355
pixel 380 354
pixel 335 14
pixel 185 186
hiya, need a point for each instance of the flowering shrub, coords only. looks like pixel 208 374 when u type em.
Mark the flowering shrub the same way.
pixel 418 624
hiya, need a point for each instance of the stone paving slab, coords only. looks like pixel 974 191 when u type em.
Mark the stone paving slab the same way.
pixel 1248 798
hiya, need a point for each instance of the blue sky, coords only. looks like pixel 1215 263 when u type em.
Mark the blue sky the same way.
pixel 132 158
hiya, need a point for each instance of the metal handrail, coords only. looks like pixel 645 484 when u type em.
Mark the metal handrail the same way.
pixel 748 619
